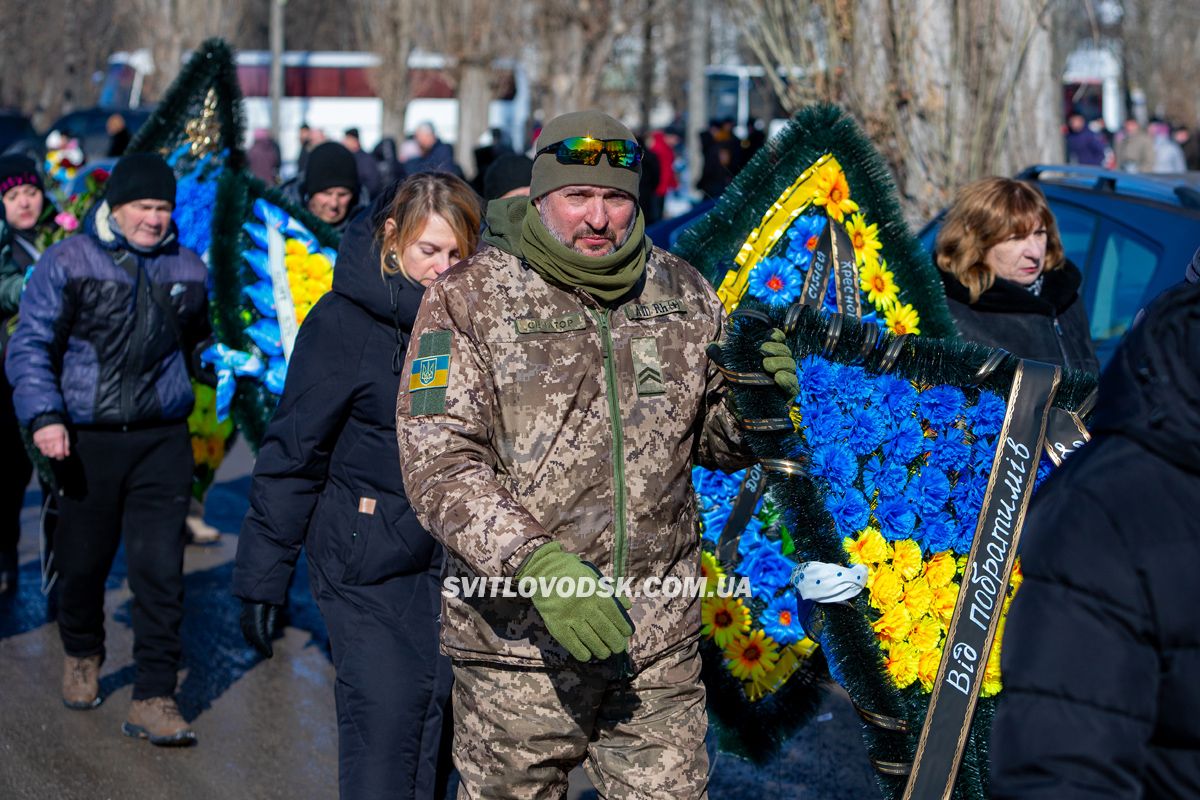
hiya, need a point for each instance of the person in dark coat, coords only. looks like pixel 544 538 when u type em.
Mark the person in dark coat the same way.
pixel 1007 281
pixel 435 155
pixel 1101 649
pixel 328 478
pixel 99 366
pixel 1084 146
pixel 329 187
pixel 369 176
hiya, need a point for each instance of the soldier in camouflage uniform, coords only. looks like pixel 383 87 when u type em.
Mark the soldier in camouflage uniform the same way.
pixel 548 420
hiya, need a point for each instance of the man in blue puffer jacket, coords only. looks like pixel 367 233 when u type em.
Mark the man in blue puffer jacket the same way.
pixel 99 369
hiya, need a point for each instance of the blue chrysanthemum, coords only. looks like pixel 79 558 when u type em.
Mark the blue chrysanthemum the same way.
pixel 850 511
pixel 817 378
pixel 853 387
pixel 964 534
pixel 835 463
pixel 983 455
pixel 867 430
pixel 823 422
pixel 938 533
pixel 904 441
pixel 885 477
pixel 928 491
pixel 967 496
pixel 987 416
pixel 950 452
pixel 895 395
pixel 752 540
pixel 1045 467
pixel 775 282
pixel 941 404
pixel 896 518
pixel 767 571
pixel 781 620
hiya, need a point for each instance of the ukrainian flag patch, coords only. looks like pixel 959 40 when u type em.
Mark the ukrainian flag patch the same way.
pixel 432 372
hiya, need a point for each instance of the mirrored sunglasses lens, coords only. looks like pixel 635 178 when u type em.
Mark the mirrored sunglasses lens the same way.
pixel 580 150
pixel 623 152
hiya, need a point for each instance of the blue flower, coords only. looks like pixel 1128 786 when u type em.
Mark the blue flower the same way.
pixel 752 540
pixel 1045 467
pixel 964 534
pixel 896 518
pixel 823 422
pixel 967 496
pixel 853 387
pixel 781 619
pixel 983 455
pixel 885 477
pixel 904 441
pixel 850 511
pixel 928 491
pixel 867 430
pixel 895 395
pixel 987 416
pixel 941 404
pixel 767 571
pixel 835 463
pixel 938 533
pixel 801 231
pixel 817 378
pixel 950 452
pixel 775 282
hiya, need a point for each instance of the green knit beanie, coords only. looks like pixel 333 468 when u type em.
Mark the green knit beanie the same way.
pixel 549 175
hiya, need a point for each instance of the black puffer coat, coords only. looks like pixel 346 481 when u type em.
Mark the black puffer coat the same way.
pixel 1101 658
pixel 1051 326
pixel 329 467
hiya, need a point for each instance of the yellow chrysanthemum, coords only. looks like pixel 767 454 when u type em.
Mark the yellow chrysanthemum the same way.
pixel 991 674
pixel 901 663
pixel 940 569
pixel 927 668
pixel 710 570
pixel 887 588
pixel 926 634
pixel 1017 576
pixel 833 192
pixel 918 597
pixel 865 239
pixel 751 657
pixel 906 558
pixel 944 599
pixel 294 247
pixel 870 548
pixel 880 285
pixel 317 267
pixel 894 625
pixel 723 619
pixel 902 319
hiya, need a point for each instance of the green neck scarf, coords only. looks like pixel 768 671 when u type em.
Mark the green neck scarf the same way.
pixel 607 278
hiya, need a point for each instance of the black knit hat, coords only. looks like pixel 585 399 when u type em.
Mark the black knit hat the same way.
pixel 140 176
pixel 330 165
pixel 18 170
pixel 508 172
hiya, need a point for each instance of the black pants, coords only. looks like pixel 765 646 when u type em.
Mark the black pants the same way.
pixel 136 484
pixel 17 472
pixel 393 686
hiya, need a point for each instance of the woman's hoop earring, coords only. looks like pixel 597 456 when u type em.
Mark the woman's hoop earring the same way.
pixel 392 260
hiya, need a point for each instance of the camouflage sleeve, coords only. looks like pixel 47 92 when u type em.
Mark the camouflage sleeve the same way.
pixel 721 446
pixel 444 414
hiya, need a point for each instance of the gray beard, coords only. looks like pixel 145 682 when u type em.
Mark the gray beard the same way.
pixel 566 242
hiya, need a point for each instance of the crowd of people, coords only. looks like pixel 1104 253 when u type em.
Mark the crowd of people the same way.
pixel 1157 147
pixel 534 414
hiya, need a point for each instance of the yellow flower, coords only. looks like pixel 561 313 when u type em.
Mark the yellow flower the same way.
pixel 901 662
pixel 940 569
pixel 869 548
pixel 880 284
pixel 723 619
pixel 751 657
pixel 887 589
pixel 865 239
pixel 991 673
pixel 294 263
pixel 1017 576
pixel 833 192
pixel 199 451
pixel 918 597
pixel 710 570
pixel 927 668
pixel 294 247
pixel 906 558
pixel 926 634
pixel 902 319
pixel 894 625
pixel 943 602
pixel 317 266
pixel 216 450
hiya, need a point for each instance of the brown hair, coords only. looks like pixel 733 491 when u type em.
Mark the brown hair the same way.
pixel 986 213
pixel 418 198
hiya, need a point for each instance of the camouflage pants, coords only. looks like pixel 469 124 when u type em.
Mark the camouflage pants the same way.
pixel 519 731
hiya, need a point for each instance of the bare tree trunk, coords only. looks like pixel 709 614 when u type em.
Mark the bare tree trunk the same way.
pixel 474 96
pixel 697 95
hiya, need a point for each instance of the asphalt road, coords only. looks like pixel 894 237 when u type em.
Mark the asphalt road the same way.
pixel 266 728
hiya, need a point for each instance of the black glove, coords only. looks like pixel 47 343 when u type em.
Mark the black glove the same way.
pixel 258 626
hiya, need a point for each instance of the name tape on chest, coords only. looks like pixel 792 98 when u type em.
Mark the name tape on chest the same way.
pixel 657 309
pixel 567 322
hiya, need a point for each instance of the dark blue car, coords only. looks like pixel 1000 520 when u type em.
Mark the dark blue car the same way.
pixel 1131 236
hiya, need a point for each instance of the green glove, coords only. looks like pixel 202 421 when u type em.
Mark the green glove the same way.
pixel 589 627
pixel 779 364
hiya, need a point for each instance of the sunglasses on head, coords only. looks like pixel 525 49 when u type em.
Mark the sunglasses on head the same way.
pixel 586 151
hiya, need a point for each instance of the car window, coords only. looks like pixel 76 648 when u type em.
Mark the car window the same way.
pixel 1076 226
pixel 1124 267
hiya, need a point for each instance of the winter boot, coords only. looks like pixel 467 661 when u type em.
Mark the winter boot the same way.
pixel 81 682
pixel 199 531
pixel 158 719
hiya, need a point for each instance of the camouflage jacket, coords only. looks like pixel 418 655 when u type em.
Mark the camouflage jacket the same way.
pixel 514 443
